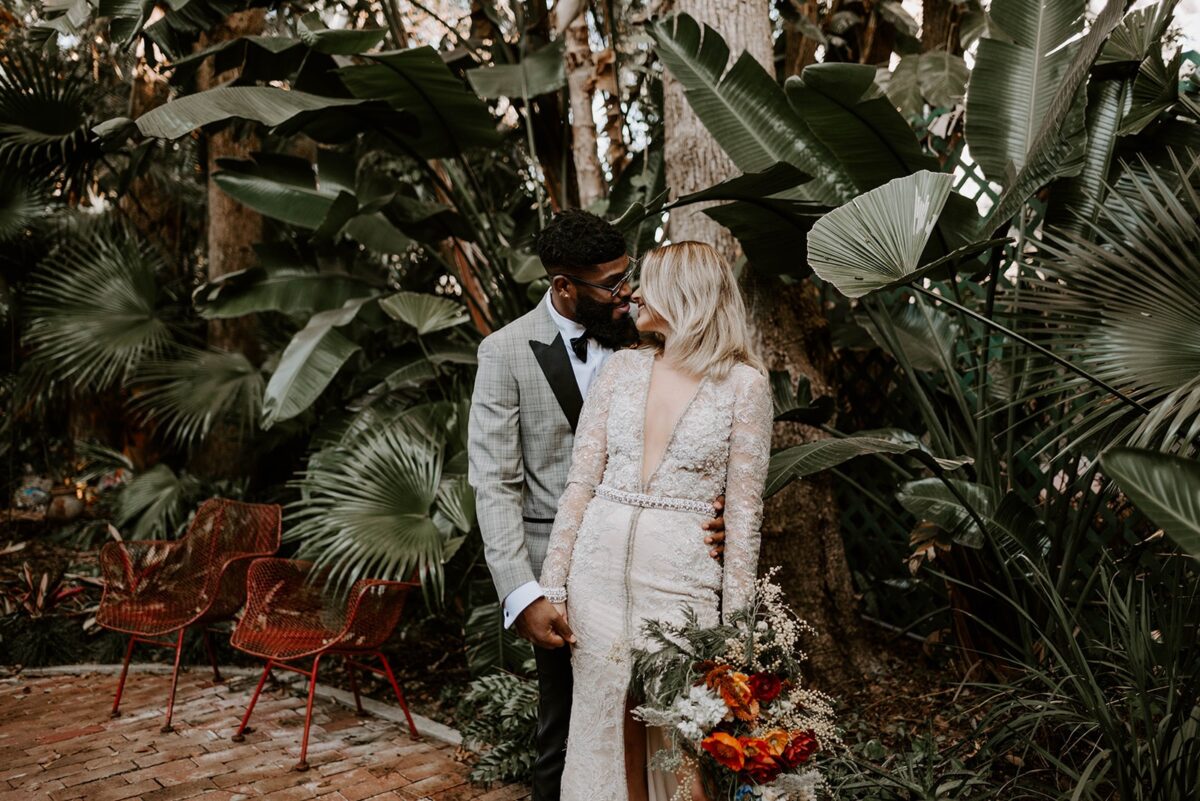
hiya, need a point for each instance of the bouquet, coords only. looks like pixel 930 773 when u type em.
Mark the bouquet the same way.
pixel 731 702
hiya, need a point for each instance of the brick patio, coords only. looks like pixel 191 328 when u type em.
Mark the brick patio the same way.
pixel 57 742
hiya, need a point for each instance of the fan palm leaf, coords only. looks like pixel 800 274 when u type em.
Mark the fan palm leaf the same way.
pixel 367 508
pixel 1127 309
pixel 187 393
pixel 94 309
pixel 45 126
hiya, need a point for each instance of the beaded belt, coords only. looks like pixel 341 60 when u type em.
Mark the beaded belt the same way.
pixel 654 501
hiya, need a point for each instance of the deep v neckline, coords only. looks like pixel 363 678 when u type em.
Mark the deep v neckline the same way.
pixel 647 480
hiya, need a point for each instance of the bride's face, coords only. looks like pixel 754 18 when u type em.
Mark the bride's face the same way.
pixel 648 320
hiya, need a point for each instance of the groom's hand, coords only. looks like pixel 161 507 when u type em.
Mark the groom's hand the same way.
pixel 542 625
pixel 716 529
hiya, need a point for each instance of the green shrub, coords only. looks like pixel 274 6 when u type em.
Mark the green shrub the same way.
pixel 499 714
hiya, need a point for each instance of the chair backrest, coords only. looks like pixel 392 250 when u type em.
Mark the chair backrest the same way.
pixel 220 542
pixel 375 609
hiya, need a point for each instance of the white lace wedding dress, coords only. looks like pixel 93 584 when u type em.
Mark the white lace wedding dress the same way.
pixel 627 551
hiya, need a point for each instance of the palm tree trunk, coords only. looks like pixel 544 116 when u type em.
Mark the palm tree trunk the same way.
pixel 232 232
pixel 581 69
pixel 940 21
pixel 801 532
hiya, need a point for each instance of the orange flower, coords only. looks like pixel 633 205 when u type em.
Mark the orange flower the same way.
pixel 726 749
pixel 734 689
pixel 777 740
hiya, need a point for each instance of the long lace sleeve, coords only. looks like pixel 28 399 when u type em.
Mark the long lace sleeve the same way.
pixel 588 460
pixel 749 456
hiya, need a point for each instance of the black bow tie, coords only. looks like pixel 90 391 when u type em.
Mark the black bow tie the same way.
pixel 579 344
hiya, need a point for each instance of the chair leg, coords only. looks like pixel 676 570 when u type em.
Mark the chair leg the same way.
pixel 354 687
pixel 116 708
pixel 312 691
pixel 412 727
pixel 174 682
pixel 240 735
pixel 212 655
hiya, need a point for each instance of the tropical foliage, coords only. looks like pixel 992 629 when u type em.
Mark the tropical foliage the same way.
pixel 1003 226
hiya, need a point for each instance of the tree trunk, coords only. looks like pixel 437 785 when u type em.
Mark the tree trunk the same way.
pixel 581 85
pixel 800 50
pixel 940 21
pixel 232 232
pixel 801 530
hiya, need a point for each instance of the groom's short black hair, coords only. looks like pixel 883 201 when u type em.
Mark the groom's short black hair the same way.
pixel 576 240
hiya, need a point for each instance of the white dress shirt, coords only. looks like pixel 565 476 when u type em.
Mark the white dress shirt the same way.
pixel 516 601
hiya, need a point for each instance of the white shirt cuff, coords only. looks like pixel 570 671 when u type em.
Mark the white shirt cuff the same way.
pixel 516 601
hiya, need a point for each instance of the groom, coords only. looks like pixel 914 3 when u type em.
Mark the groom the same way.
pixel 533 376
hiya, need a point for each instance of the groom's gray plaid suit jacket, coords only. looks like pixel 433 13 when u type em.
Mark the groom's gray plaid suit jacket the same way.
pixel 523 415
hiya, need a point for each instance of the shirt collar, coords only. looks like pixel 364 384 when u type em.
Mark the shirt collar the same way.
pixel 569 328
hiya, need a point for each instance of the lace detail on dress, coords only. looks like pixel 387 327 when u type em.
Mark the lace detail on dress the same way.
pixel 588 459
pixel 624 564
pixel 749 458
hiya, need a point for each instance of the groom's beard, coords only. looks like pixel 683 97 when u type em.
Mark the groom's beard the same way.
pixel 597 319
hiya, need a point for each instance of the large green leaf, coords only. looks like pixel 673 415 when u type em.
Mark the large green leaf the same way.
pixel 309 363
pixel 367 508
pixel 266 104
pixel 491 646
pixel 95 309
pixel 751 186
pixel 843 107
pixel 926 335
pixel 805 460
pixel 537 74
pixel 1075 202
pixel 186 394
pixel 294 200
pixel 1155 90
pixel 1166 488
pixel 338 41
pixel 795 404
pixel 1058 147
pixel 773 233
pixel 903 86
pixel 942 77
pixel 1014 83
pixel 45 127
pixel 1138 35
pixel 425 312
pixel 1123 309
pixel 451 118
pixel 642 181
pixel 288 290
pixel 877 238
pixel 744 108
pixel 930 499
pixel 257 58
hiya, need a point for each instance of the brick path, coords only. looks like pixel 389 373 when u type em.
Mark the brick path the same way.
pixel 57 742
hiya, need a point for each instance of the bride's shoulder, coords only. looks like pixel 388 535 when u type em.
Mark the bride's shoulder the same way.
pixel 629 355
pixel 748 380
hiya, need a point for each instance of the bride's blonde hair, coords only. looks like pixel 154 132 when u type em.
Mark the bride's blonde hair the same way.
pixel 693 289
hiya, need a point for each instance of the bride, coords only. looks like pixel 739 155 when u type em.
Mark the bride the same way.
pixel 664 430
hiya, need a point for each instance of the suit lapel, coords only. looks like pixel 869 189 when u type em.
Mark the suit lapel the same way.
pixel 556 365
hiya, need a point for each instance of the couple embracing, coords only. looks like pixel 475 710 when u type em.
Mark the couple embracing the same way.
pixel 618 462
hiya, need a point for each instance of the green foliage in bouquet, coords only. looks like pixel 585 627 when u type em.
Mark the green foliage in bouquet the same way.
pixel 499 721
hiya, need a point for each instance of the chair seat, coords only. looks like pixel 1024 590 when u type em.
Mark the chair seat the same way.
pixel 152 615
pixel 290 643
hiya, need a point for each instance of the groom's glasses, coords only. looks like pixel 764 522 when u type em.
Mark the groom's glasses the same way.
pixel 611 289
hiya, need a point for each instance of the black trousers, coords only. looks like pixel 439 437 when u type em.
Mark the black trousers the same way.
pixel 554 717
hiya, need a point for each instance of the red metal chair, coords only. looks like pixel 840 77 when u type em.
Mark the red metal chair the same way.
pixel 154 590
pixel 290 615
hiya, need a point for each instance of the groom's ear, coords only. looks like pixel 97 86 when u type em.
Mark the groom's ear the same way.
pixel 560 284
